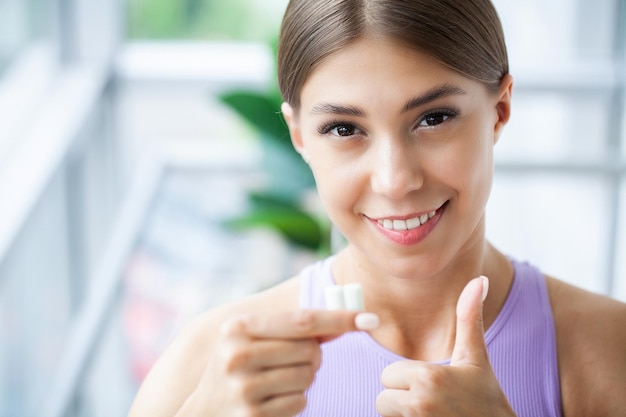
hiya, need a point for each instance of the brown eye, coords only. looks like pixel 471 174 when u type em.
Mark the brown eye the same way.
pixel 344 130
pixel 340 129
pixel 434 119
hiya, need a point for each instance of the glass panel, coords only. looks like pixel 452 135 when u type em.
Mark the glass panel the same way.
pixel 183 123
pixel 34 306
pixel 550 126
pixel 13 30
pixel 20 22
pixel 166 283
pixel 205 19
pixel 556 222
pixel 108 368
pixel 623 131
pixel 543 33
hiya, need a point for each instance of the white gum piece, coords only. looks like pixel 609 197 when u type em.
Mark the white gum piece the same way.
pixel 353 297
pixel 333 294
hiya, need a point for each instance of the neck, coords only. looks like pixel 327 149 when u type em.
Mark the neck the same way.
pixel 418 313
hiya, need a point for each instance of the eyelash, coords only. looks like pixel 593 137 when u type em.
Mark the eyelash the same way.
pixel 449 113
pixel 327 127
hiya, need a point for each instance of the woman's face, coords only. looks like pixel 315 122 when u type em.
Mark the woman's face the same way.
pixel 401 148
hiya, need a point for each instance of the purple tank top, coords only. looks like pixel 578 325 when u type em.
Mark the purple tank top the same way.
pixel 521 345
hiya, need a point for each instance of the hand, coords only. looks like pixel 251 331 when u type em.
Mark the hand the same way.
pixel 262 364
pixel 468 387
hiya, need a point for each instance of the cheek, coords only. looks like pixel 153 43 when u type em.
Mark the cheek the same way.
pixel 472 166
pixel 464 164
pixel 339 183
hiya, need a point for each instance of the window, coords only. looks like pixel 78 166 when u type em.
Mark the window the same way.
pixel 21 23
pixel 556 198
pixel 54 144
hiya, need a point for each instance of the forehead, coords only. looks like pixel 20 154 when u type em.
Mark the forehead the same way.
pixel 382 71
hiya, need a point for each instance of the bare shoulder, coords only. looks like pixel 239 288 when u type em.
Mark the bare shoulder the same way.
pixel 591 339
pixel 177 372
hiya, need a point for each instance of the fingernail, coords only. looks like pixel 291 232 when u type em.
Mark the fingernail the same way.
pixel 366 321
pixel 485 287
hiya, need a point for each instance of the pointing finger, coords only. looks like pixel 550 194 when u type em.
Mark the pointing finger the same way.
pixel 321 324
pixel 469 347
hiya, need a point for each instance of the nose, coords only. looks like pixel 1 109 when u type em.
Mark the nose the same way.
pixel 395 169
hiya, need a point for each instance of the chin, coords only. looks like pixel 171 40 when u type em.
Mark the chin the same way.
pixel 406 266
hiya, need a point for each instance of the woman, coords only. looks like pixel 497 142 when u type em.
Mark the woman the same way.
pixel 397 107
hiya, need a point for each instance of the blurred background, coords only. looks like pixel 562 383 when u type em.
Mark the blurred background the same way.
pixel 140 177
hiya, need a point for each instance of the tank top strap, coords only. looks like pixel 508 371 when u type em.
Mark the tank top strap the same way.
pixel 528 298
pixel 522 346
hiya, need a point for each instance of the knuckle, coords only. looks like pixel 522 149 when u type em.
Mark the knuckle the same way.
pixel 245 389
pixel 418 407
pixel 235 326
pixel 238 357
pixel 415 406
pixel 250 410
pixel 304 321
pixel 428 407
pixel 309 374
pixel 437 377
pixel 295 404
pixel 433 376
pixel 299 402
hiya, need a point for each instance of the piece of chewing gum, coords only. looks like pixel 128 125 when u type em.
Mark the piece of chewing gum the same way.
pixel 334 297
pixel 353 296
pixel 348 297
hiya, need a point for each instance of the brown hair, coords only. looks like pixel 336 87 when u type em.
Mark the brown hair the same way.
pixel 464 35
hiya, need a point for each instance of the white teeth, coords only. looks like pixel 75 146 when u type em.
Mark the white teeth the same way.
pixel 413 223
pixel 399 225
pixel 409 224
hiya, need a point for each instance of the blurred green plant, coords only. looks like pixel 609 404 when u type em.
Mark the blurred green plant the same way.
pixel 281 203
pixel 203 19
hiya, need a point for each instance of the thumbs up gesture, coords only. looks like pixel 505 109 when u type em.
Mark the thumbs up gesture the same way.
pixel 468 387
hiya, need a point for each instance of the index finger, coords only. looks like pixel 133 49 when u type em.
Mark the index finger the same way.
pixel 323 325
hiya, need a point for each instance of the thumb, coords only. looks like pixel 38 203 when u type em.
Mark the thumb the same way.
pixel 469 347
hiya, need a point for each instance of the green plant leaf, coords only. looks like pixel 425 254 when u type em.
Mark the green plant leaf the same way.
pixel 278 205
pixel 297 226
pixel 287 171
pixel 262 111
pixel 286 168
pixel 273 200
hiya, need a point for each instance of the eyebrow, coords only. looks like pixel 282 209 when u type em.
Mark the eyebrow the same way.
pixel 327 108
pixel 433 94
pixel 445 90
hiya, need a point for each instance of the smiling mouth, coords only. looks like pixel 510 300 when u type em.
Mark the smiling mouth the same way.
pixel 408 224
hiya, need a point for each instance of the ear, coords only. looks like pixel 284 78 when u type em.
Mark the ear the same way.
pixel 294 129
pixel 503 105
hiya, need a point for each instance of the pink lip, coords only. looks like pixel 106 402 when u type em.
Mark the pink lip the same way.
pixel 409 237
